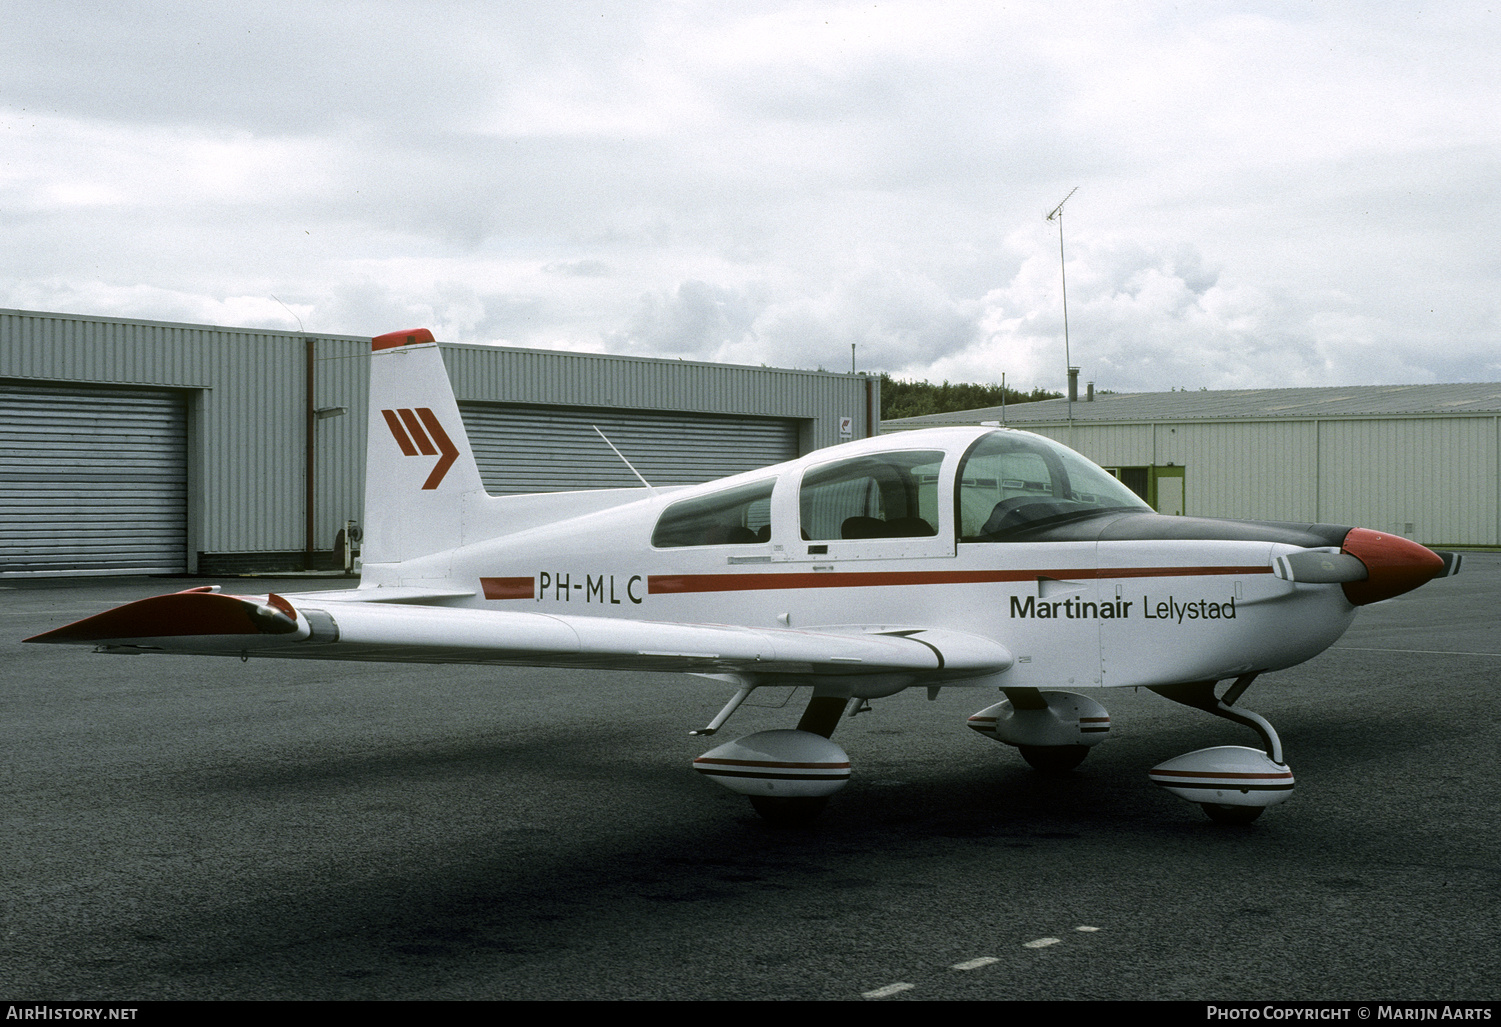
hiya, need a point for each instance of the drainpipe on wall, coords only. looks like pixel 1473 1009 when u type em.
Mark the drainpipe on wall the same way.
pixel 311 477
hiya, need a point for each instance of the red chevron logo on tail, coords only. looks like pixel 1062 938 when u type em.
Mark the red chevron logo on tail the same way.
pixel 407 427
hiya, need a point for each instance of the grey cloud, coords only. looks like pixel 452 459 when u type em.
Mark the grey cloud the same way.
pixel 578 268
pixel 696 320
pixel 748 185
pixel 289 67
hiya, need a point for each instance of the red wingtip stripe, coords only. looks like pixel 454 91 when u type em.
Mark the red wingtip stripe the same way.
pixel 185 613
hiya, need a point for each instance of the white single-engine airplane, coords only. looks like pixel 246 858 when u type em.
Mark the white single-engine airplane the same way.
pixel 948 557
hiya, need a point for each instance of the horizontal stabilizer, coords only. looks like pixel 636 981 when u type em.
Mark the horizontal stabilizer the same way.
pixel 192 615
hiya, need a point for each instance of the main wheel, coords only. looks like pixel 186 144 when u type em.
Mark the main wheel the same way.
pixel 1222 814
pixel 789 811
pixel 1054 759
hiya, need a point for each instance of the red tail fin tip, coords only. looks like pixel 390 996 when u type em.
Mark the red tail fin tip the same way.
pixel 409 337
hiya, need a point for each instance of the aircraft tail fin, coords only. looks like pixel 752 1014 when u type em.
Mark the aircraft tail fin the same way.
pixel 420 472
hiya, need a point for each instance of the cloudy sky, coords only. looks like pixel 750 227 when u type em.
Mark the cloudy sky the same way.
pixel 1269 194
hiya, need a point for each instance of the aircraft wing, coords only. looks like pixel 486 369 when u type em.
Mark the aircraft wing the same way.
pixel 338 627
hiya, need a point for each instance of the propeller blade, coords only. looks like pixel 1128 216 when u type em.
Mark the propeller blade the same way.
pixel 1451 564
pixel 1319 567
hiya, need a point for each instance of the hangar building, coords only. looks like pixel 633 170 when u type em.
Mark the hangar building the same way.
pixel 1422 461
pixel 141 446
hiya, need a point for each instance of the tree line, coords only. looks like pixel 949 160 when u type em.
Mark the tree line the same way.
pixel 915 399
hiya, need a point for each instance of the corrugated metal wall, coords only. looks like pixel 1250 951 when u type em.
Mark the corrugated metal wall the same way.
pixel 1431 479
pixel 92 480
pixel 245 394
pixel 1434 478
pixel 497 374
pixel 554 449
pixel 247 411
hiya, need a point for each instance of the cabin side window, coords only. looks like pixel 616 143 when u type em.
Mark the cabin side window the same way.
pixel 736 516
pixel 888 495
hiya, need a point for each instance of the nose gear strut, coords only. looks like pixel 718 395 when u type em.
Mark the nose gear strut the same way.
pixel 1200 695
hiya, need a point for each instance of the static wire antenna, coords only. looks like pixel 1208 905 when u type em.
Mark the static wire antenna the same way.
pixel 289 310
pixel 1056 214
pixel 622 457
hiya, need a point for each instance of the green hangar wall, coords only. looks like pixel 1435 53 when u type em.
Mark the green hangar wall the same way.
pixel 1421 461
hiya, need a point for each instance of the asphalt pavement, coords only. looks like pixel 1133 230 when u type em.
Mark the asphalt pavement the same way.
pixel 202 828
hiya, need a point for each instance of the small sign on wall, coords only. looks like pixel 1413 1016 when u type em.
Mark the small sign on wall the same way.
pixel 846 427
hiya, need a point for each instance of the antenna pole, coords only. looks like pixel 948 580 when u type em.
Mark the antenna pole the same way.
pixel 1057 215
pixel 622 458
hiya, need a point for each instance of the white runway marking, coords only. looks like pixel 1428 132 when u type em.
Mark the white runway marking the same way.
pixel 975 964
pixel 889 990
pixel 1414 652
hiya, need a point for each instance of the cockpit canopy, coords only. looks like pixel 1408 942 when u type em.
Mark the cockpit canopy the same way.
pixel 1007 483
pixel 1010 482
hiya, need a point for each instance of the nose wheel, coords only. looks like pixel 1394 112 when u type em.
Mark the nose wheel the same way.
pixel 1053 759
pixel 1230 815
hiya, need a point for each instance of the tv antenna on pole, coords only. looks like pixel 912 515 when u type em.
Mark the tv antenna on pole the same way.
pixel 1056 214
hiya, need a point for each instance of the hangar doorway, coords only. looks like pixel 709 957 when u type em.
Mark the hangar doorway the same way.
pixel 1160 487
pixel 555 449
pixel 94 480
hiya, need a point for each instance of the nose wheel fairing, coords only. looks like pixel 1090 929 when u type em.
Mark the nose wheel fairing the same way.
pixel 1226 776
pixel 1232 783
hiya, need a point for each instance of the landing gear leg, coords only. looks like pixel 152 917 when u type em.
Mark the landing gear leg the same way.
pixel 820 718
pixel 823 713
pixel 1231 783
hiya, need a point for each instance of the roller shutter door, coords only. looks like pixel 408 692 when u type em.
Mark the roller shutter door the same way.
pixel 93 480
pixel 554 449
